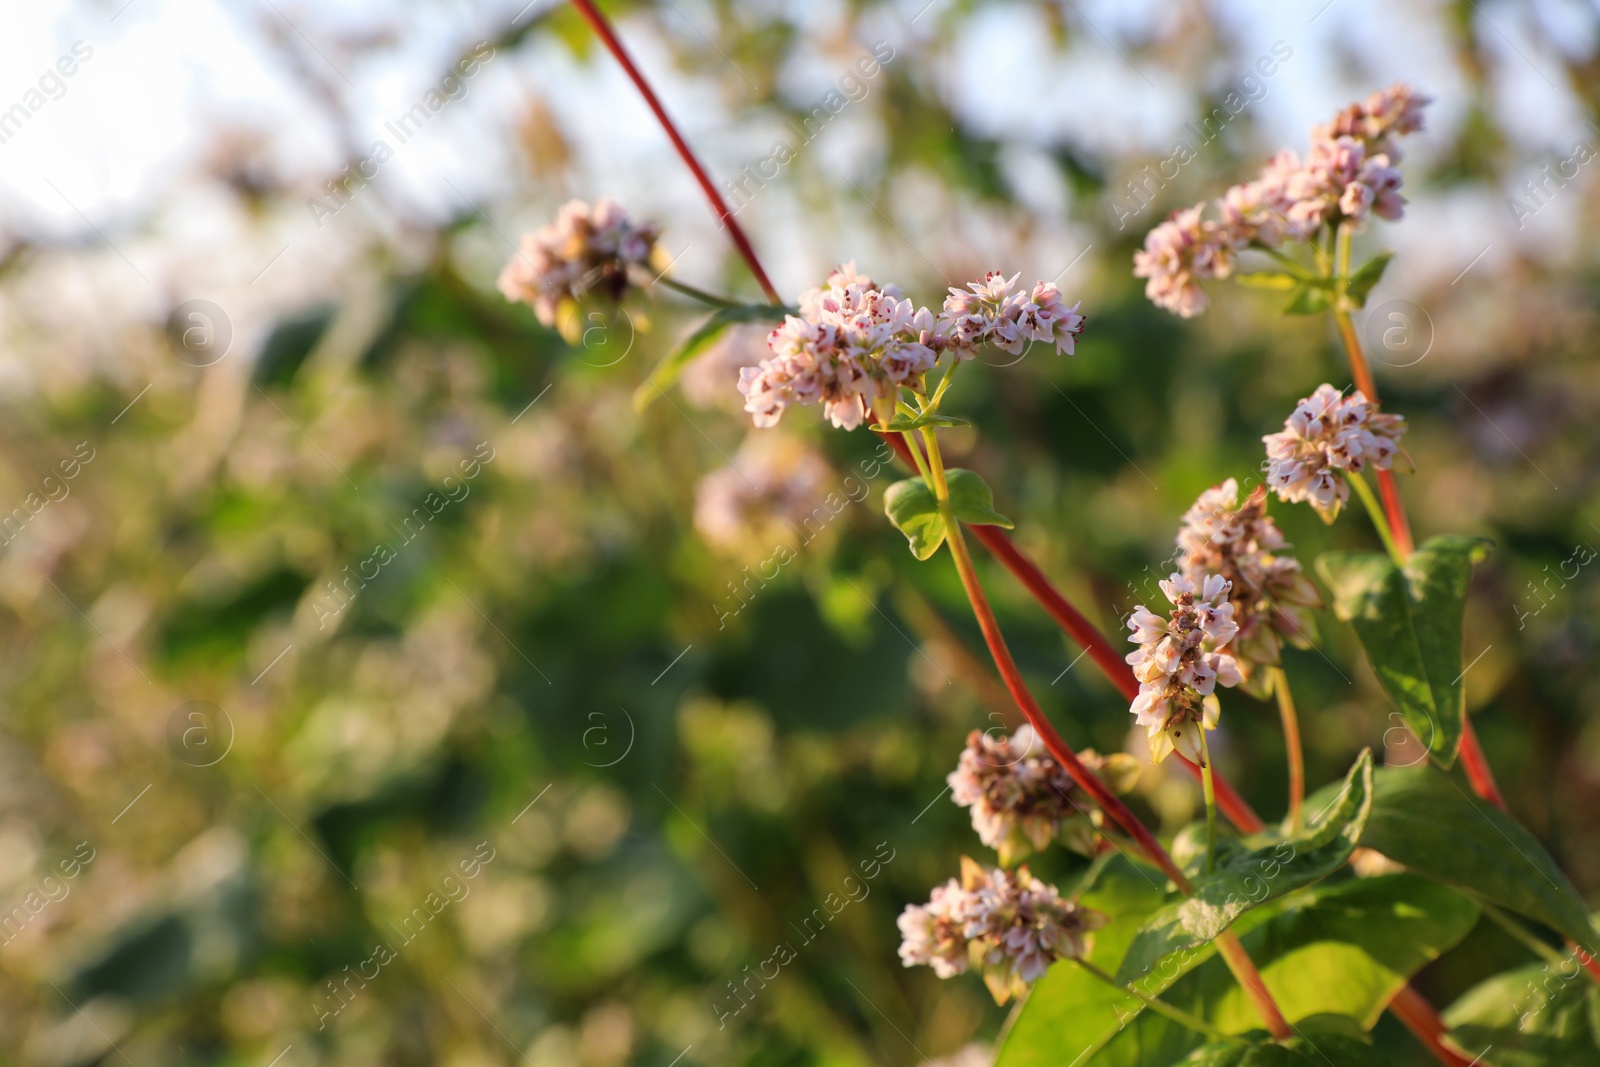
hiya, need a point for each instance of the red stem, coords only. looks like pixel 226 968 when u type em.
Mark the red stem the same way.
pixel 609 38
pixel 1089 637
pixel 1412 1009
pixel 1024 569
pixel 1399 525
pixel 1477 766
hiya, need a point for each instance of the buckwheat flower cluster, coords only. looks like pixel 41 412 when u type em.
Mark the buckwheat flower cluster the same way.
pixel 1327 434
pixel 1008 924
pixel 852 346
pixel 1346 176
pixel 987 311
pixel 1180 252
pixel 587 249
pixel 1022 799
pixel 772 486
pixel 1179 664
pixel 1268 590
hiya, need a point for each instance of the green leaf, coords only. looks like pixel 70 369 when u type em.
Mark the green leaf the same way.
pixel 1535 1016
pixel 1348 948
pixel 971 499
pixel 1268 279
pixel 1247 879
pixel 1423 819
pixel 1342 949
pixel 673 363
pixel 1321 1042
pixel 914 510
pixel 904 423
pixel 1365 278
pixel 1409 621
pixel 1309 299
pixel 1070 1013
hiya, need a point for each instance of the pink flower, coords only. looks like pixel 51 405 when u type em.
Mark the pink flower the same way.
pixel 1179 663
pixel 1178 253
pixel 1022 799
pixel 773 481
pixel 850 348
pixel 585 250
pixel 1010 924
pixel 987 311
pixel 1325 435
pixel 1267 591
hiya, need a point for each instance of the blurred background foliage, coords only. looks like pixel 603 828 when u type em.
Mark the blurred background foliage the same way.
pixel 552 671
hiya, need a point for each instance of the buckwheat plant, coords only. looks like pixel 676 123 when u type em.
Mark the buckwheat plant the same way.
pixel 870 356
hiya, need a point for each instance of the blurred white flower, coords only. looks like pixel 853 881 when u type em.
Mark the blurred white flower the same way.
pixel 1177 254
pixel 585 250
pixel 1347 175
pixel 772 486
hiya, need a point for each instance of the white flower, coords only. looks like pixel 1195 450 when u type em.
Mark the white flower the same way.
pixel 1179 663
pixel 988 311
pixel 773 483
pixel 1347 175
pixel 1178 253
pixel 852 346
pixel 1224 538
pixel 1010 924
pixel 586 249
pixel 1021 798
pixel 1326 434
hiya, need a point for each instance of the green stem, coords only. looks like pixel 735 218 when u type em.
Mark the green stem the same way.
pixel 916 456
pixel 1296 268
pixel 1291 741
pixel 1211 800
pixel 1375 511
pixel 699 294
pixel 938 394
pixel 1342 260
pixel 1161 1007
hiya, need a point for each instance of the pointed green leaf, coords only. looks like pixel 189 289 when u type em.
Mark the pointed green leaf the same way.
pixel 914 510
pixel 1342 948
pixel 1248 878
pixel 1268 279
pixel 904 423
pixel 971 499
pixel 1365 278
pixel 1348 948
pixel 1409 622
pixel 673 363
pixel 1422 818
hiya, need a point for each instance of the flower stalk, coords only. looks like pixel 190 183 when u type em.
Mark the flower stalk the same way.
pixel 1380 521
pixel 1211 803
pixel 1291 741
